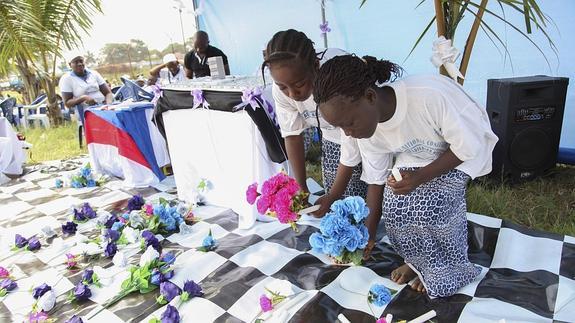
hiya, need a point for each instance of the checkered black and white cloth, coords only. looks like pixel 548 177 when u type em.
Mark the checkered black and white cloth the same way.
pixel 528 276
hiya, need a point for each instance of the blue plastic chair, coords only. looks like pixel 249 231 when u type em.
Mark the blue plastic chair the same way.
pixel 7 107
pixel 135 92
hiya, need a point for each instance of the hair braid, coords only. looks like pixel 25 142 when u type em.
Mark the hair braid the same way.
pixel 350 76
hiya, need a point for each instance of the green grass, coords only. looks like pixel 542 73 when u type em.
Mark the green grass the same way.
pixel 546 204
pixel 53 143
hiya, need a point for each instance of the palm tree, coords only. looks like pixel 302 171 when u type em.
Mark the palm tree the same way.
pixel 33 35
pixel 449 13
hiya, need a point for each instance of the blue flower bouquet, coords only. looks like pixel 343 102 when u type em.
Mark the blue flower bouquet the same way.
pixel 343 234
pixel 84 178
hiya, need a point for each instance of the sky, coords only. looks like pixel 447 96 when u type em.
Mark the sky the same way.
pixel 156 22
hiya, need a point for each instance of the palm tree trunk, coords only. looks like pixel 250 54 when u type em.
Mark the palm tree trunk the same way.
pixel 54 113
pixel 31 86
pixel 471 39
pixel 440 20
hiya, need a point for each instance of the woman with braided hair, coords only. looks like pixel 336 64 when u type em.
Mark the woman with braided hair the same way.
pixel 293 63
pixel 437 136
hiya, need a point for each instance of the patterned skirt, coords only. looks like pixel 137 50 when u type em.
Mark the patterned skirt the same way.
pixel 428 228
pixel 330 153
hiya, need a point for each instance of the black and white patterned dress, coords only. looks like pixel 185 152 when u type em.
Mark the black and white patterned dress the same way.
pixel 330 153
pixel 428 228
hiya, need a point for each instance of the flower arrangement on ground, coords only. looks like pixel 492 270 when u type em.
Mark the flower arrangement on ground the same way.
pixel 343 234
pixel 280 197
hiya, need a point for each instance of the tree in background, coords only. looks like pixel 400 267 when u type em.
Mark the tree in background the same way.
pixel 449 13
pixel 33 35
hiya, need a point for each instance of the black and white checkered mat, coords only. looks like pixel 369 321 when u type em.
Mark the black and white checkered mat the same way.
pixel 528 276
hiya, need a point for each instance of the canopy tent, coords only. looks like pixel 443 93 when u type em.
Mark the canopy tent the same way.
pixel 387 29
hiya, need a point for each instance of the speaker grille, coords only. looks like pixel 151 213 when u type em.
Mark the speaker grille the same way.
pixel 530 149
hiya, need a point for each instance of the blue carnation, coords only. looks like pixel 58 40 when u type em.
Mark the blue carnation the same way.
pixel 354 239
pixel 379 295
pixel 86 172
pixel 117 226
pixel 357 207
pixel 208 241
pixel 76 184
pixel 91 183
pixel 332 224
pixel 333 247
pixel 159 210
pixel 317 241
pixel 339 207
pixel 364 236
pixel 168 221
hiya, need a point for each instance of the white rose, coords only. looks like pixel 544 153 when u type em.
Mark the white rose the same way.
pixel 102 217
pixel 47 301
pixel 182 209
pixel 132 235
pixel 148 256
pixel 48 232
pixel 136 219
pixel 120 259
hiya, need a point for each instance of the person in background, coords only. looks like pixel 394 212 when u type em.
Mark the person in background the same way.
pixel 83 86
pixel 141 80
pixel 196 61
pixel 170 71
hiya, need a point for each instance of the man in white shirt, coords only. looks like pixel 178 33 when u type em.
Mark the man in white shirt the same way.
pixel 170 71
pixel 83 86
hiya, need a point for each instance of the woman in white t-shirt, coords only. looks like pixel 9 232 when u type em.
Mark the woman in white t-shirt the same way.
pixel 83 86
pixel 293 64
pixel 437 136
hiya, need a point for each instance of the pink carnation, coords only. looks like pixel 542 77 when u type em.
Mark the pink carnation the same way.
pixel 149 209
pixel 381 320
pixel 252 193
pixel 4 273
pixel 266 303
pixel 282 201
pixel 71 261
pixel 286 216
pixel 263 204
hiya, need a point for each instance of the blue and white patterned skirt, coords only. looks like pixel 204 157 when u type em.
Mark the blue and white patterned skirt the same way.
pixel 330 153
pixel 428 228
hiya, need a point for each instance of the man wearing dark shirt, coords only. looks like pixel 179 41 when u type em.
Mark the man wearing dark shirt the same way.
pixel 196 61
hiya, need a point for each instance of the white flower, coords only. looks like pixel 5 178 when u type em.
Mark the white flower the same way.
pixel 132 235
pixel 136 219
pixel 182 209
pixel 120 259
pixel 103 217
pixel 148 256
pixel 47 301
pixel 185 229
pixel 48 232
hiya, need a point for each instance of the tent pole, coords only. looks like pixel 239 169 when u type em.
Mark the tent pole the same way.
pixel 323 22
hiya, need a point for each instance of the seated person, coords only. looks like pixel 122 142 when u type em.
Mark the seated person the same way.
pixel 141 80
pixel 83 86
pixel 169 72
pixel 196 61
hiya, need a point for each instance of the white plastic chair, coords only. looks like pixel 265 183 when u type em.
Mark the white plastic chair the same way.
pixel 41 117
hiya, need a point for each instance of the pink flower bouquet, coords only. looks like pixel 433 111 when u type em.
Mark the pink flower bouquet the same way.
pixel 280 197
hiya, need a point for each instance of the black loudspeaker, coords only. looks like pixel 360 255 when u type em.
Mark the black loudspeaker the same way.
pixel 526 113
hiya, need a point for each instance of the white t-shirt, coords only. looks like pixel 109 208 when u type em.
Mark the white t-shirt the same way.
pixel 71 83
pixel 166 76
pixel 433 113
pixel 294 117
